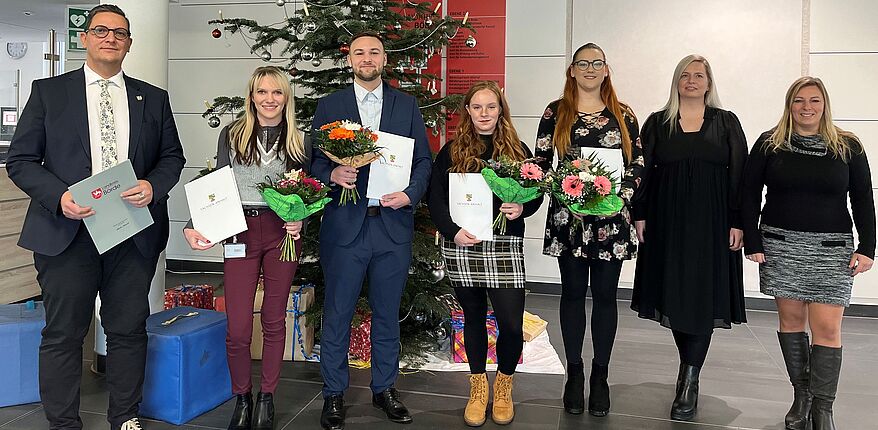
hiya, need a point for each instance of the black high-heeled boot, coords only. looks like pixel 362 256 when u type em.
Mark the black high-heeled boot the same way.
pixel 825 367
pixel 263 412
pixel 574 389
pixel 243 412
pixel 686 403
pixel 796 352
pixel 598 390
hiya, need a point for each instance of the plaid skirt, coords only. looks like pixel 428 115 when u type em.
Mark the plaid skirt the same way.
pixel 488 264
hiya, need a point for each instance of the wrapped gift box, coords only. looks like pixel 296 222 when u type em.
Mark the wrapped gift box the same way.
pixel 20 327
pixel 196 296
pixel 361 338
pixel 458 352
pixel 300 334
pixel 186 369
pixel 532 326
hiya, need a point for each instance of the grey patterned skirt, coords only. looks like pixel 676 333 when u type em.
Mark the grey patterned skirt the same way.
pixel 489 264
pixel 807 266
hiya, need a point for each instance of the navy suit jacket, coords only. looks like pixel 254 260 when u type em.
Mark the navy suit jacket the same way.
pixel 51 151
pixel 399 115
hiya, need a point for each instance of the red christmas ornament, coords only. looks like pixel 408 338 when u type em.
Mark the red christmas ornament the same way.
pixel 216 33
pixel 447 116
pixel 344 49
pixel 293 71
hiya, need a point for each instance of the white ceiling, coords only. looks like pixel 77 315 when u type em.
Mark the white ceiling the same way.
pixel 15 26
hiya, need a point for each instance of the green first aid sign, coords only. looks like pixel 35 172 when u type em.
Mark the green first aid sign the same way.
pixel 76 18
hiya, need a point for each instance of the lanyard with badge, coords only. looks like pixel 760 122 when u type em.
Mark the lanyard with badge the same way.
pixel 234 249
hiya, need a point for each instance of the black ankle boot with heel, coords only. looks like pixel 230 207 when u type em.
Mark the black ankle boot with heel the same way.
pixel 243 413
pixel 598 390
pixel 574 389
pixel 263 412
pixel 686 402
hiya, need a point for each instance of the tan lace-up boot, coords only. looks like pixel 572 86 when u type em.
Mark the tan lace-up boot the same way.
pixel 503 411
pixel 477 406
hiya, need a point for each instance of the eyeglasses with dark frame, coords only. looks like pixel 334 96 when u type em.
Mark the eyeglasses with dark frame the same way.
pixel 101 32
pixel 595 64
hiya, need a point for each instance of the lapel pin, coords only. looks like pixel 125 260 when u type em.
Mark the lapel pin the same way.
pixel 139 97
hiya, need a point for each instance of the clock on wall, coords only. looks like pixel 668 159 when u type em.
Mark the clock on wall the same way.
pixel 16 50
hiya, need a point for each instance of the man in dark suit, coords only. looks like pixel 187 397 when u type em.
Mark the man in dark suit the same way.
pixel 73 126
pixel 372 237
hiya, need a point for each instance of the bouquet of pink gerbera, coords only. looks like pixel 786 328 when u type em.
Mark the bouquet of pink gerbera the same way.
pixel 513 182
pixel 584 187
pixel 294 197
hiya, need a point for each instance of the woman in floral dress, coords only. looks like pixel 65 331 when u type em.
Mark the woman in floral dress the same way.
pixel 589 115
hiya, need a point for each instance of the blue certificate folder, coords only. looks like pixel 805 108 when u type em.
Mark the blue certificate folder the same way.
pixel 115 219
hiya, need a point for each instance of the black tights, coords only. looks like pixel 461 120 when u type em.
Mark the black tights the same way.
pixel 604 314
pixel 508 305
pixel 692 347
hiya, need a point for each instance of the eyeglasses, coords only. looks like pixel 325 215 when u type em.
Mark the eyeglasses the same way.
pixel 583 64
pixel 101 32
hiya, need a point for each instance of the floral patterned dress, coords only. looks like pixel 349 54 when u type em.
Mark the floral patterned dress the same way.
pixel 606 238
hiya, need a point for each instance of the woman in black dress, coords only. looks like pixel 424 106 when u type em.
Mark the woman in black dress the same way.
pixel 689 274
pixel 479 270
pixel 804 242
pixel 589 115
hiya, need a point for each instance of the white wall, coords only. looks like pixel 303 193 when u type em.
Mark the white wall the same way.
pixel 757 48
pixel 32 67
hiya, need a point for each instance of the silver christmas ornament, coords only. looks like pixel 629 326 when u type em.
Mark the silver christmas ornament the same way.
pixel 310 26
pixel 420 318
pixel 397 26
pixel 265 56
pixel 307 55
pixel 281 3
pixel 354 3
pixel 440 333
pixel 428 22
pixel 213 121
pixel 438 274
pixel 316 62
pixel 470 41
pixel 430 123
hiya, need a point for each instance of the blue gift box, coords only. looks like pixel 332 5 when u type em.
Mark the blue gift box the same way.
pixel 186 369
pixel 20 327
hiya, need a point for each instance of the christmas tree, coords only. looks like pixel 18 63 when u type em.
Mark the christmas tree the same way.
pixel 318 34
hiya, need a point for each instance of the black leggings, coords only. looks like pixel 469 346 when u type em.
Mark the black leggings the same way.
pixel 692 347
pixel 574 284
pixel 508 305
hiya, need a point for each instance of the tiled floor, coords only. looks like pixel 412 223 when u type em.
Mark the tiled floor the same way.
pixel 743 385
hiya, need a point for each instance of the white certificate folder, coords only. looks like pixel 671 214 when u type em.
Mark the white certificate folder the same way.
pixel 115 220
pixel 612 159
pixel 393 170
pixel 215 205
pixel 471 203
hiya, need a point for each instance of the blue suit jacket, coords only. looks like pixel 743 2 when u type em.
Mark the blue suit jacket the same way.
pixel 399 115
pixel 51 151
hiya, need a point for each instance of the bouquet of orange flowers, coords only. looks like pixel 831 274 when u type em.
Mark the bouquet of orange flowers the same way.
pixel 349 144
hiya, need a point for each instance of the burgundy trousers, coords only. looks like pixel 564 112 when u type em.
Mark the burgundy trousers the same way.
pixel 264 233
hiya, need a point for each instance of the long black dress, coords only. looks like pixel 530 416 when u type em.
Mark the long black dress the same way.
pixel 686 277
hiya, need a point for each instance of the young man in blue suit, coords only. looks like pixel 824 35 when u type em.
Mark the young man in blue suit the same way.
pixel 372 237
pixel 74 126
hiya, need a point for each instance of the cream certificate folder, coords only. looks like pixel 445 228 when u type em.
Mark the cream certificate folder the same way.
pixel 215 205
pixel 393 170
pixel 471 203
pixel 115 220
pixel 612 159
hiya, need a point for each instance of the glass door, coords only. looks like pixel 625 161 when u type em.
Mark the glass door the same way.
pixel 10 107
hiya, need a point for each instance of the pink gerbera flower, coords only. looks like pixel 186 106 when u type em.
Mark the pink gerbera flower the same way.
pixel 603 185
pixel 531 171
pixel 572 186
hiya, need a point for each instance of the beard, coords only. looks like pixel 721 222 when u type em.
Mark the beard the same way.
pixel 368 75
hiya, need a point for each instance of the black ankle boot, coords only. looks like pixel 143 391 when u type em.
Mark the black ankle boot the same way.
pixel 598 390
pixel 825 366
pixel 686 403
pixel 243 412
pixel 796 352
pixel 574 389
pixel 263 412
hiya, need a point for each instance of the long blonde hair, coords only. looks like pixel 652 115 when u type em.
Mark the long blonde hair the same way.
pixel 242 133
pixel 838 142
pixel 568 107
pixel 467 147
pixel 672 107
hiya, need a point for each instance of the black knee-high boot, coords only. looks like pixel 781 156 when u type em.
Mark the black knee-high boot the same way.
pixel 825 367
pixel 796 350
pixel 686 403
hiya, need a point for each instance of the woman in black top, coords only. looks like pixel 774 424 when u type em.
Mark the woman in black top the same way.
pixel 589 115
pixel 689 274
pixel 478 269
pixel 804 242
